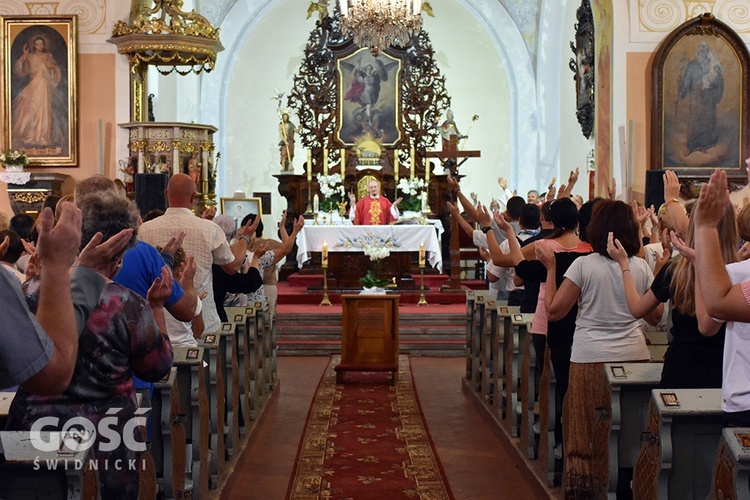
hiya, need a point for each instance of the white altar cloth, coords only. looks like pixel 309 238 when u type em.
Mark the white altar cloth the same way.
pixel 405 238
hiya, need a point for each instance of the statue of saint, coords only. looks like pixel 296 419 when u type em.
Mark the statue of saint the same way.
pixel 286 143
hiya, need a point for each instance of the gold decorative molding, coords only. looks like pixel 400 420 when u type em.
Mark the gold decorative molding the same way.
pixel 158 133
pixel 158 146
pixel 30 197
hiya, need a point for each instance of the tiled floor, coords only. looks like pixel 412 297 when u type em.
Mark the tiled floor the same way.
pixel 477 463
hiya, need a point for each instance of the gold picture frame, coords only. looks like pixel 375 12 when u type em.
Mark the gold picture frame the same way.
pixel 239 208
pixel 40 53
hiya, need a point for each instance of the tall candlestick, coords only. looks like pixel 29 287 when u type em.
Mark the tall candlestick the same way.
pixel 316 205
pixel 412 165
pixel 309 167
pixel 343 164
pixel 426 172
pixel 325 161
pixel 421 254
pixel 204 165
pixel 396 168
pixel 324 257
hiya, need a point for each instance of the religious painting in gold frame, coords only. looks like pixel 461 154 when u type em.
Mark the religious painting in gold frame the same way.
pixel 239 208
pixel 39 88
pixel 369 100
pixel 701 113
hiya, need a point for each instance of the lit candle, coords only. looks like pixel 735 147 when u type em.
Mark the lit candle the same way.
pixel 421 254
pixel 343 7
pixel 417 7
pixel 309 165
pixel 325 161
pixel 343 163
pixel 324 257
pixel 411 164
pixel 316 206
pixel 424 202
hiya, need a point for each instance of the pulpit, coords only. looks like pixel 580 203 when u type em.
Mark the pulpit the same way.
pixel 369 339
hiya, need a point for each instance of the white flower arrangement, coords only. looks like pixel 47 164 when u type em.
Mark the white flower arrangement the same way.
pixel 331 185
pixel 376 253
pixel 413 191
pixel 13 157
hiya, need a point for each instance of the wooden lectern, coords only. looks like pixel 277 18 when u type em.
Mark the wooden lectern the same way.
pixel 369 334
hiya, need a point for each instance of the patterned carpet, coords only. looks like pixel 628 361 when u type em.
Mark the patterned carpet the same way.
pixel 366 439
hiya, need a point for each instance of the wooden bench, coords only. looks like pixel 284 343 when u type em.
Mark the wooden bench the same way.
pixel 31 473
pixel 168 441
pixel 486 374
pixel 471 298
pixel 193 384
pixel 547 464
pixel 731 476
pixel 215 351
pixel 527 390
pixel 228 343
pixel 679 444
pixel 515 341
pixel 505 325
pixel 630 386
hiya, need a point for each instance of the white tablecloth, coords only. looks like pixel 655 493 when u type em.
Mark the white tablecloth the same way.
pixel 404 238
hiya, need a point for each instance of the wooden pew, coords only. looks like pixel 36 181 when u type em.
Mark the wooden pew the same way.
pixel 228 343
pixel 505 325
pixel 484 381
pixel 617 446
pixel 475 336
pixel 31 473
pixel 657 352
pixel 193 384
pixel 168 439
pixel 528 391
pixel 497 340
pixel 245 358
pixel 515 343
pixel 547 464
pixel 471 299
pixel 211 343
pixel 731 476
pixel 679 444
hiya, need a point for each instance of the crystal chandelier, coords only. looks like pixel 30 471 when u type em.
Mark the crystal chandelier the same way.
pixel 380 23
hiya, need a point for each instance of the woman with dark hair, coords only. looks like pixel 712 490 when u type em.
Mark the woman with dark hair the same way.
pixel 122 337
pixel 695 354
pixel 605 330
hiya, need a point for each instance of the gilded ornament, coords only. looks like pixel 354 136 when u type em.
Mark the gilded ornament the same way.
pixel 32 197
pixel 158 146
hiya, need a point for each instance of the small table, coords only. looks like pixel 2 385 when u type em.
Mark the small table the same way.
pixel 369 335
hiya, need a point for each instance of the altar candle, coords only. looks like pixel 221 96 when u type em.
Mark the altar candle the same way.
pixel 424 202
pixel 412 164
pixel 316 206
pixel 309 165
pixel 324 257
pixel 426 172
pixel 421 254
pixel 204 165
pixel 396 169
pixel 325 161
pixel 343 164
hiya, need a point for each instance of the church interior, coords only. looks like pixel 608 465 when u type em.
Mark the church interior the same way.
pixel 353 142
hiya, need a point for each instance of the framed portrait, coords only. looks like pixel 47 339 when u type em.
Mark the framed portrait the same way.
pixel 39 88
pixel 239 208
pixel 700 106
pixel 369 99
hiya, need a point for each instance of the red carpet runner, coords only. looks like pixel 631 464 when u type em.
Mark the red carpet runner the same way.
pixel 366 439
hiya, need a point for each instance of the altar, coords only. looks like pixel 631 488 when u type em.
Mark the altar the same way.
pixel 346 244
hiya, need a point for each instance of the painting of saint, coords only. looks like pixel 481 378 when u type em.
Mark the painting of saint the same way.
pixel 368 97
pixel 39 92
pixel 702 103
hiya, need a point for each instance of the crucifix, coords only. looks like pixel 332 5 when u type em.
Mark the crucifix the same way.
pixel 449 158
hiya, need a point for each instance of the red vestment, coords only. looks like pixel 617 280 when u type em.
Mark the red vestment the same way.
pixel 373 212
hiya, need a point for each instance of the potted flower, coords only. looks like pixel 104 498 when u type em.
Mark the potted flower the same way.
pixel 332 191
pixel 13 160
pixel 372 279
pixel 412 191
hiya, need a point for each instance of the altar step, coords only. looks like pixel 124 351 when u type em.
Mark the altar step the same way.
pixel 434 330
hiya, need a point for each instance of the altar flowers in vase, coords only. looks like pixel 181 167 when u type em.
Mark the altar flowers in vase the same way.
pixel 13 160
pixel 372 281
pixel 411 190
pixel 332 192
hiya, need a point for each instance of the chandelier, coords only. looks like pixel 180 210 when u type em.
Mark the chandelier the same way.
pixel 380 23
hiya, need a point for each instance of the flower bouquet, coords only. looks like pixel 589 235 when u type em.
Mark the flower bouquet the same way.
pixel 332 191
pixel 372 279
pixel 13 160
pixel 411 190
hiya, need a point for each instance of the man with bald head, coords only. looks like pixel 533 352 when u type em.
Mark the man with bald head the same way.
pixel 204 240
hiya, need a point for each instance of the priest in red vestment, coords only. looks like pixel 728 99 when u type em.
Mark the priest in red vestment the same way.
pixel 373 209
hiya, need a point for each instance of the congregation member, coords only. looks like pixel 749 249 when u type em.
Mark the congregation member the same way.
pixel 39 349
pixel 204 241
pixel 725 290
pixel 123 336
pixel 373 209
pixel 12 254
pixel 695 354
pixel 605 329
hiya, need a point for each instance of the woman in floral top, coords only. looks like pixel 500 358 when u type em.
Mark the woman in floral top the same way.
pixel 122 337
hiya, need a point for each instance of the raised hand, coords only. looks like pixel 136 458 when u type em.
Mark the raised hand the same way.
pixel 97 255
pixel 679 244
pixel 398 200
pixel 174 243
pixel 299 223
pixel 612 189
pixel 713 200
pixel 744 252
pixel 483 215
pixel 261 247
pixel 573 177
pixel 352 198
pixel 209 213
pixel 503 183
pixel 671 185
pixel 249 228
pixel 161 288
pixel 58 244
pixel 616 251
pixel 187 273
pixel 453 184
pixel 551 185
pixel 503 223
